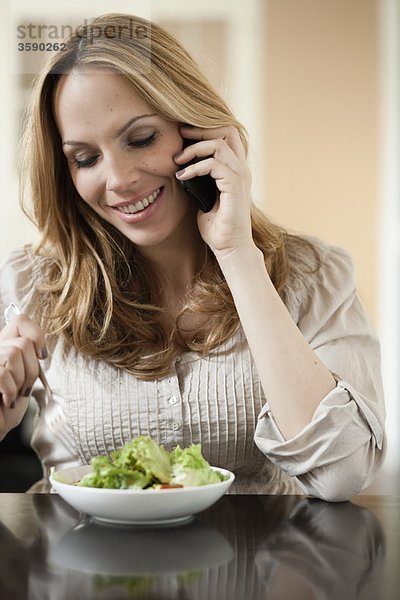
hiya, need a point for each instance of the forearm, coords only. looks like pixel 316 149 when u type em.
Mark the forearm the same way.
pixel 293 378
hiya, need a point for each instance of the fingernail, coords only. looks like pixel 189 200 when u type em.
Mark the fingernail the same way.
pixel 180 173
pixel 12 405
pixel 44 353
pixel 27 392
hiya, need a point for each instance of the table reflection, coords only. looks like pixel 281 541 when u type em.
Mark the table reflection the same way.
pixel 323 551
pixel 244 547
pixel 110 550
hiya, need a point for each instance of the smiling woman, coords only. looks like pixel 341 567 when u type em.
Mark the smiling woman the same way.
pixel 124 161
pixel 148 304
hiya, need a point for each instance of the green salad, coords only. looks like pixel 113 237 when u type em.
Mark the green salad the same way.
pixel 143 464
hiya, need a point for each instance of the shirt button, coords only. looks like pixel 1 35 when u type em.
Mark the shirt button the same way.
pixel 173 400
pixel 174 425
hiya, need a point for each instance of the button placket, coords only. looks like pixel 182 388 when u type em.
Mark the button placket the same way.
pixel 173 410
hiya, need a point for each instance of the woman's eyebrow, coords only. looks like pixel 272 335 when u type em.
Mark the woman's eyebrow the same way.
pixel 129 123
pixel 119 131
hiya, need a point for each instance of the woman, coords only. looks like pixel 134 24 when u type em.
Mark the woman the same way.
pixel 161 319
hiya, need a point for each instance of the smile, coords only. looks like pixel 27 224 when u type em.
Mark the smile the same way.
pixel 130 209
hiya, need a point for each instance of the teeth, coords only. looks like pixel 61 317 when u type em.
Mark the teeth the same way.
pixel 133 208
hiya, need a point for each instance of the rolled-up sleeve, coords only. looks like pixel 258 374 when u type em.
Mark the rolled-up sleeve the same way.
pixel 336 455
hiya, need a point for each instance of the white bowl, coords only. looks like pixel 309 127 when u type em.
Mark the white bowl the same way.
pixel 138 507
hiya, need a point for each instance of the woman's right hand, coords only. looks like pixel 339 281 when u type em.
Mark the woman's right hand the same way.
pixel 22 344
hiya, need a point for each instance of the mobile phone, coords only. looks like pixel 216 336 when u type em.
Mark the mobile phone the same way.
pixel 203 189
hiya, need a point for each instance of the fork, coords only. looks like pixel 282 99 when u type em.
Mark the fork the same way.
pixel 11 310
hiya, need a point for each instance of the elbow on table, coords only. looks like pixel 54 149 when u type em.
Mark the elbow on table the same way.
pixel 341 481
pixel 333 490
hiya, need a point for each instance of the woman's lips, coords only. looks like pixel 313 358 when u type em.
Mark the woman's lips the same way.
pixel 140 204
pixel 141 210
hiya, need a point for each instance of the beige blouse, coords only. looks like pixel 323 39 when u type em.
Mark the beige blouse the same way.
pixel 217 400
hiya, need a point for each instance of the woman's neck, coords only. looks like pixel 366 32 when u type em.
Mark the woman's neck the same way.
pixel 177 259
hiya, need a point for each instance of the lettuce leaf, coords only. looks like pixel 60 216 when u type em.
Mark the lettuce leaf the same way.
pixel 107 475
pixel 190 468
pixel 143 454
pixel 141 464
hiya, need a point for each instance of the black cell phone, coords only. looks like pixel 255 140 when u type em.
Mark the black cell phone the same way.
pixel 203 189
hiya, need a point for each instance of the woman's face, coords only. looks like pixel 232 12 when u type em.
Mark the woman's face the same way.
pixel 120 156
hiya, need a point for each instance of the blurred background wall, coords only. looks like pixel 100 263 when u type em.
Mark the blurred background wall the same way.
pixel 316 83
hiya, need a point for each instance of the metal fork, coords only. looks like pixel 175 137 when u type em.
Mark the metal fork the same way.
pixel 11 310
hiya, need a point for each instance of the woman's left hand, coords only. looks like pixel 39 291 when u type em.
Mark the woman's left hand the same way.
pixel 227 227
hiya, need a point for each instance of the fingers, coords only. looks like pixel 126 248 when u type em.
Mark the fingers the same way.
pixel 230 175
pixel 11 416
pixel 18 357
pixel 21 326
pixel 221 157
pixel 217 149
pixel 8 387
pixel 229 135
pixel 218 171
pixel 22 343
pixel 18 371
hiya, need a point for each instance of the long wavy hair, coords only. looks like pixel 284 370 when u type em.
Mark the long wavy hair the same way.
pixel 99 293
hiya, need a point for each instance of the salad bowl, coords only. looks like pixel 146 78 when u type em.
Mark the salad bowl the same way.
pixel 148 507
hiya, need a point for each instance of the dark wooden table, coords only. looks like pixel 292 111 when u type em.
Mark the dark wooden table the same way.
pixel 244 547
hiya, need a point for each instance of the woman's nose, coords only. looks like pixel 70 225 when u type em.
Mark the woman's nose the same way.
pixel 121 174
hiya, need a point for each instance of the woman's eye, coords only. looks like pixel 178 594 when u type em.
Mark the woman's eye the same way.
pixel 83 163
pixel 142 142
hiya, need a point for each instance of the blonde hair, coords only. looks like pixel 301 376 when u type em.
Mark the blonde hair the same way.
pixel 99 293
